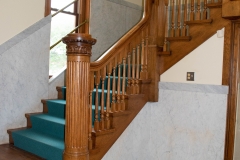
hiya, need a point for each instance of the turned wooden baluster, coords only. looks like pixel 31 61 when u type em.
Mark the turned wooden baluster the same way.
pixel 173 19
pixel 103 76
pixel 118 106
pixel 137 70
pixel 91 88
pixel 109 71
pixel 165 47
pixel 97 82
pixel 77 96
pixel 124 55
pixel 129 73
pixel 198 14
pixel 113 104
pixel 205 10
pixel 178 31
pixel 133 91
pixel 123 85
pixel 146 50
pixel 184 31
pixel 192 11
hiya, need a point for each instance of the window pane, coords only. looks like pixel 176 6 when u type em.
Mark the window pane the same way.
pixel 61 25
pixel 58 59
pixel 59 4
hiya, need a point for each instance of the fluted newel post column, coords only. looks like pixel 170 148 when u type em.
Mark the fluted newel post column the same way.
pixel 77 96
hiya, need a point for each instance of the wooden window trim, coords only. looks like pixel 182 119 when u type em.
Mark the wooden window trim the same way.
pixel 47 8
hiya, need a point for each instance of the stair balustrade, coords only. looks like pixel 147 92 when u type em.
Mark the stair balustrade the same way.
pixel 101 98
pixel 180 14
pixel 98 90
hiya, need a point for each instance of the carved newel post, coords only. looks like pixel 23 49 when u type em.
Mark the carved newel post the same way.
pixel 77 96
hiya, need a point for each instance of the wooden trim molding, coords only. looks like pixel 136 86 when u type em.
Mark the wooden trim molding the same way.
pixel 47 8
pixel 231 9
pixel 231 78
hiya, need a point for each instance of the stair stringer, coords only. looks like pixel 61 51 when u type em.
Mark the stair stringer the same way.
pixel 119 122
pixel 199 33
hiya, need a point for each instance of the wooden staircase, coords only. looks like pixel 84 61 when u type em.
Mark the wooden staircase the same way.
pixel 199 23
pixel 139 60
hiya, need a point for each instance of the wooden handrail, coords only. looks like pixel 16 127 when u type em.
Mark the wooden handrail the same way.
pixel 63 8
pixel 52 46
pixel 109 54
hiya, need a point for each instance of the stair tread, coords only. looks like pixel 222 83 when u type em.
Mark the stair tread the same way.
pixel 41 138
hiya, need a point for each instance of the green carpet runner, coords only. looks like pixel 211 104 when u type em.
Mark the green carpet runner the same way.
pixel 46 137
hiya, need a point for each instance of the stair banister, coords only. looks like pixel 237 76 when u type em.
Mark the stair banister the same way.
pixel 77 100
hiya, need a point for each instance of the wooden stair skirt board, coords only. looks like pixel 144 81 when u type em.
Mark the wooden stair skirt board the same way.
pixel 118 85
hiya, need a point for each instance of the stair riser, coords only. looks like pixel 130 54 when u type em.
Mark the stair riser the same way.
pixel 56 109
pixel 48 127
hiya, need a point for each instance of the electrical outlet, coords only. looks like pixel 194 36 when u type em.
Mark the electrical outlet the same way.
pixel 190 76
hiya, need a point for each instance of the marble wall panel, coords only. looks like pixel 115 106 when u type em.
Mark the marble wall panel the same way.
pixel 24 75
pixel 132 17
pixel 186 123
pixel 134 141
pixel 190 125
pixel 109 21
pixel 58 80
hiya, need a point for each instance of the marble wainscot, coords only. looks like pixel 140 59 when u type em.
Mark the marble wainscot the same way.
pixel 188 122
pixel 24 75
pixel 110 20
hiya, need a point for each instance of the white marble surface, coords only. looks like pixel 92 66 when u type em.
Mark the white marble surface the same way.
pixel 109 21
pixel 134 143
pixel 58 80
pixel 24 76
pixel 184 125
pixel 219 89
pixel 24 34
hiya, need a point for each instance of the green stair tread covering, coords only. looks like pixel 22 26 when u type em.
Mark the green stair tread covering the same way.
pixel 48 124
pixel 46 137
pixel 43 145
pixel 56 107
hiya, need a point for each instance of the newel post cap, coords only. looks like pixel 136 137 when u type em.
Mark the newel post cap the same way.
pixel 79 43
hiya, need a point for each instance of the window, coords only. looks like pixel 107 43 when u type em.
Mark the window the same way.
pixel 61 25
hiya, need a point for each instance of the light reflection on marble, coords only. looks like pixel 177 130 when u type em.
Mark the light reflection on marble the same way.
pixel 184 125
pixel 110 21
pixel 24 78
